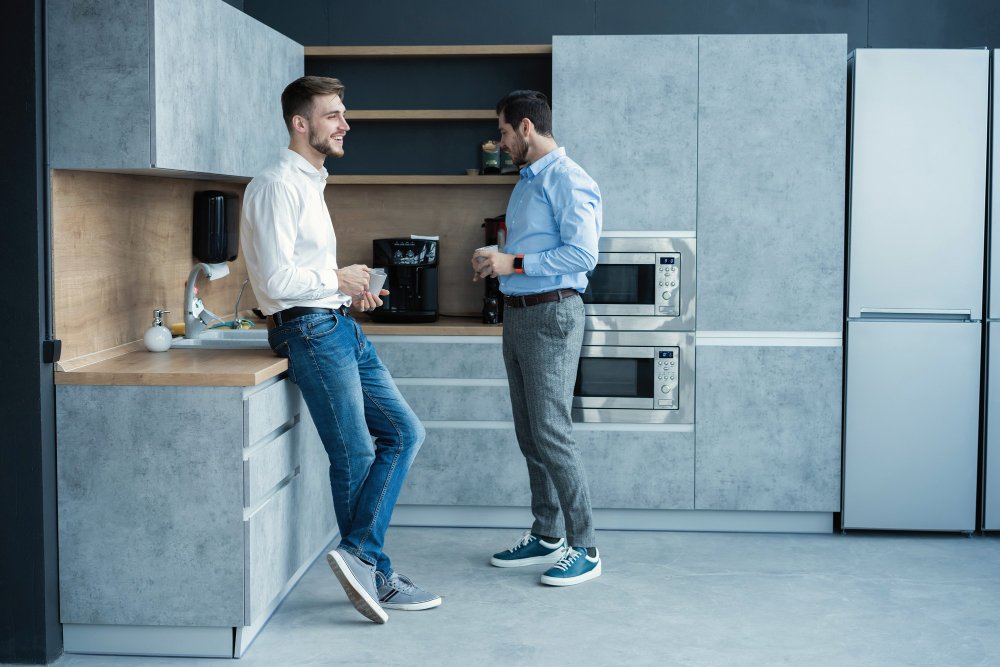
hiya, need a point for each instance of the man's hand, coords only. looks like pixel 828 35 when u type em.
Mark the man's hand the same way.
pixel 367 301
pixel 491 264
pixel 354 280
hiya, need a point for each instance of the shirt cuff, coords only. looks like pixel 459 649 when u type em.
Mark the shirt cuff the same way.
pixel 330 280
pixel 532 264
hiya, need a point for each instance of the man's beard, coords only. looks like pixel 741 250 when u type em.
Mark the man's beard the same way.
pixel 325 147
pixel 519 151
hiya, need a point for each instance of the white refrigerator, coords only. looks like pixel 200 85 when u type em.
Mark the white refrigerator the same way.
pixel 916 246
pixel 991 448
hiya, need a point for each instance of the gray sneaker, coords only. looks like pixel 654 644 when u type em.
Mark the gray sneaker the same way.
pixel 358 579
pixel 398 592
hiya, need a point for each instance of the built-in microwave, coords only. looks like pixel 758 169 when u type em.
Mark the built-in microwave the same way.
pixel 635 377
pixel 642 284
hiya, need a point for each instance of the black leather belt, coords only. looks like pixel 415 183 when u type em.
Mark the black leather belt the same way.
pixel 283 316
pixel 535 299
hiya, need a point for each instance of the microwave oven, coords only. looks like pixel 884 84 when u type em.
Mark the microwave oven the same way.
pixel 642 284
pixel 635 377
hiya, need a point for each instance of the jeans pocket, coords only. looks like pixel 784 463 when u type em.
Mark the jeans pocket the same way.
pixel 320 327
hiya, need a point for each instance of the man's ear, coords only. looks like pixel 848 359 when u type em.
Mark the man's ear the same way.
pixel 526 126
pixel 299 124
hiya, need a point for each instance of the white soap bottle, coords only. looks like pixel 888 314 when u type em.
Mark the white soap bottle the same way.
pixel 157 337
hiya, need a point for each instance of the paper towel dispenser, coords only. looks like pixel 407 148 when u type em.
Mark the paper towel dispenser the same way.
pixel 216 236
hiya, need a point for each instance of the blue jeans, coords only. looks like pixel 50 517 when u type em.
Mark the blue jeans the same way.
pixel 352 399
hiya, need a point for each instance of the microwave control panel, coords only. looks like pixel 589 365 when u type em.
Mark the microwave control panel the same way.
pixel 666 372
pixel 668 284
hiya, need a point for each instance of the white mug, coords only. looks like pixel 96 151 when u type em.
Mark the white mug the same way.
pixel 375 281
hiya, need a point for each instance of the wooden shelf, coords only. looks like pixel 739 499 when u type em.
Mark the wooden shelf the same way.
pixel 410 179
pixel 443 51
pixel 421 114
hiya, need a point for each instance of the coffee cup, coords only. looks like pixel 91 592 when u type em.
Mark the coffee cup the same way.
pixel 376 278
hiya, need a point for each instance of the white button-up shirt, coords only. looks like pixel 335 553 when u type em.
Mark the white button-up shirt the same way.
pixel 287 237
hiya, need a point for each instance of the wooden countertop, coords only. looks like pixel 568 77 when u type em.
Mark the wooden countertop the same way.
pixel 133 365
pixel 181 368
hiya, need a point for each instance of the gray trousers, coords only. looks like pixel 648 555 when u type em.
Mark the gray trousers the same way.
pixel 541 349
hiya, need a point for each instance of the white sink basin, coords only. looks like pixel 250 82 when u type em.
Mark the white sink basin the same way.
pixel 226 338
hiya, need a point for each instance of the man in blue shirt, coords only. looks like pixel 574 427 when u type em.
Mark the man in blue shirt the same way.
pixel 553 223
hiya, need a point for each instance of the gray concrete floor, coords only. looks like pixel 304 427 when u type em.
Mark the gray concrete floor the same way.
pixel 664 599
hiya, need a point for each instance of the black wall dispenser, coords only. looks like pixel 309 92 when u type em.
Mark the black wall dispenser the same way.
pixel 216 235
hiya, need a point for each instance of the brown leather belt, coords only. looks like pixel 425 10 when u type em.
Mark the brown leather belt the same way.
pixel 535 299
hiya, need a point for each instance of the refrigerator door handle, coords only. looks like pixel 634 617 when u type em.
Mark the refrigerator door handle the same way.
pixel 916 313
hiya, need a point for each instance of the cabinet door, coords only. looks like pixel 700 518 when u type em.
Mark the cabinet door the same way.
pixel 183 85
pixel 771 151
pixel 767 428
pixel 911 438
pixel 626 109
pixel 626 469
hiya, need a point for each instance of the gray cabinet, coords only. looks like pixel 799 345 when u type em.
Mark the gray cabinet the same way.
pixel 185 85
pixel 457 386
pixel 626 109
pixel 771 151
pixel 184 507
pixel 767 429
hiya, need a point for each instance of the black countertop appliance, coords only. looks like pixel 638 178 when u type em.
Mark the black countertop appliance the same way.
pixel 492 297
pixel 411 267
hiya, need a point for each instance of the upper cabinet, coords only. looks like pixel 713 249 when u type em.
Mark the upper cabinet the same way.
pixel 771 152
pixel 184 85
pixel 626 108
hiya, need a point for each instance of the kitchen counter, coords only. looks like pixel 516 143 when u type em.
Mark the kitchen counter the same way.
pixel 233 368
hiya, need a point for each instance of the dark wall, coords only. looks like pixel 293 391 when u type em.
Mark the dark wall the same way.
pixel 29 609
pixel 876 23
pixel 476 83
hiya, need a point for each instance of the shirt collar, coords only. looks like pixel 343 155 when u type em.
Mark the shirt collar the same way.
pixel 290 156
pixel 541 163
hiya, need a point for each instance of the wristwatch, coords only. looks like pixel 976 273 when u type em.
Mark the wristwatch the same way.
pixel 518 263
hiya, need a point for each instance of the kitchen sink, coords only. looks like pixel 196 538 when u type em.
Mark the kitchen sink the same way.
pixel 232 339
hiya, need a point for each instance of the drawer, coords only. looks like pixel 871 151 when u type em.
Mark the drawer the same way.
pixel 270 463
pixel 272 553
pixel 441 357
pixel 269 408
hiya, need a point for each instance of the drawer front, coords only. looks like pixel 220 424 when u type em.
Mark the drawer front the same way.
pixel 272 552
pixel 269 408
pixel 270 463
pixel 439 357
pixel 457 402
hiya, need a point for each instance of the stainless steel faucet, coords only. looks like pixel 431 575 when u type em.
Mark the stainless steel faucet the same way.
pixel 196 316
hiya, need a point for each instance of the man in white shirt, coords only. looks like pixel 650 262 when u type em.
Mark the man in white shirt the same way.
pixel 291 254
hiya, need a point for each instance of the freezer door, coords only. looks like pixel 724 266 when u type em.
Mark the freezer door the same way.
pixel 917 207
pixel 991 465
pixel 994 305
pixel 911 427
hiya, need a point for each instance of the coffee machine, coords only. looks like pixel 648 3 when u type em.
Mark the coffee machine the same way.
pixel 496 234
pixel 411 267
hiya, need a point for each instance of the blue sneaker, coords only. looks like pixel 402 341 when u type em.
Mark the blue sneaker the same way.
pixel 575 567
pixel 529 550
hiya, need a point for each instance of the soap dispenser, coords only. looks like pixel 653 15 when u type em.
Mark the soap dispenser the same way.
pixel 157 337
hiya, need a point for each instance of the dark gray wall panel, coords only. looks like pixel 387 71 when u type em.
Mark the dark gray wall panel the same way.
pixel 935 24
pixel 682 17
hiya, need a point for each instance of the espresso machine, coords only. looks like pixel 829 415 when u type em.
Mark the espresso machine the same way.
pixel 411 267
pixel 496 234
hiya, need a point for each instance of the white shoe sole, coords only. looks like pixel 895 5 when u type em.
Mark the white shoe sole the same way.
pixel 412 606
pixel 555 581
pixel 356 593
pixel 521 562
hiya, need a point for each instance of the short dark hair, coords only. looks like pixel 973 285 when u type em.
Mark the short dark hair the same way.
pixel 297 98
pixel 529 104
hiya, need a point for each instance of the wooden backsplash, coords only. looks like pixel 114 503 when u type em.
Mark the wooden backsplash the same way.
pixel 121 246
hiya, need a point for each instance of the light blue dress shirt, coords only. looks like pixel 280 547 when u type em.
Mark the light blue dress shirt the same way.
pixel 554 220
